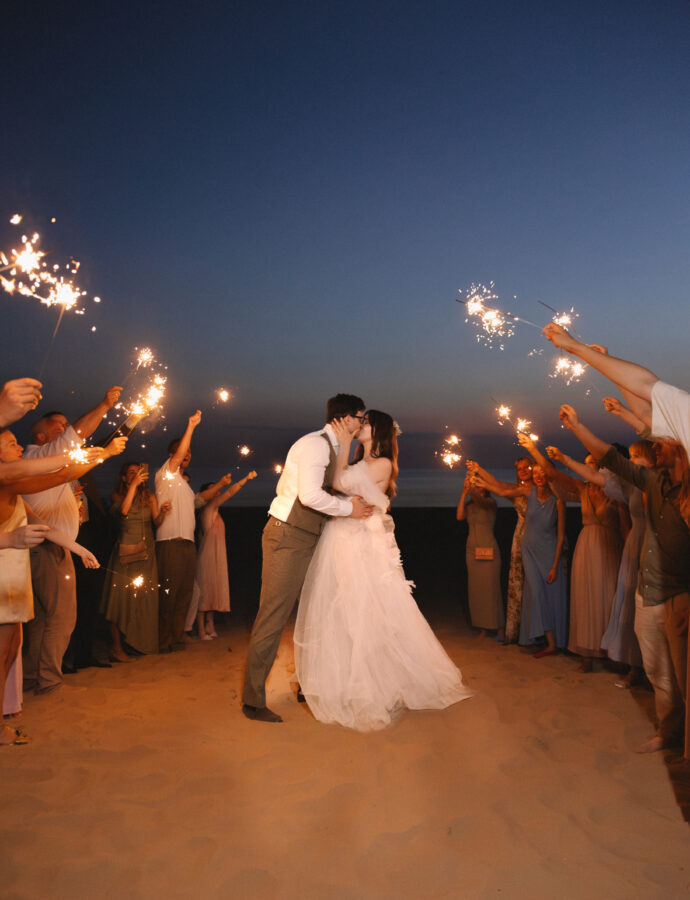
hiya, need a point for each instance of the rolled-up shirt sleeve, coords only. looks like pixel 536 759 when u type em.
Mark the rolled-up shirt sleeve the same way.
pixel 310 481
pixel 625 469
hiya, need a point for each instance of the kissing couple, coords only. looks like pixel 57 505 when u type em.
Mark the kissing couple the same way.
pixel 363 650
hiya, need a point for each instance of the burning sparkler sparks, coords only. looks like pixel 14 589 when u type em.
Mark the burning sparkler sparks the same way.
pixel 138 581
pixel 492 323
pixel 144 357
pixel 244 450
pixel 448 453
pixel 522 426
pixel 278 469
pixel 223 395
pixel 568 369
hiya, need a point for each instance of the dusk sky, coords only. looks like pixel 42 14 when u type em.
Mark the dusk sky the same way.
pixel 285 198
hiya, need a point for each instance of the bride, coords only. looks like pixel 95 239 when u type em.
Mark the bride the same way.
pixel 363 650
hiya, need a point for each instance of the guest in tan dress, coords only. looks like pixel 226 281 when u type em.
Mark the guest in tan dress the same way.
pixel 483 559
pixel 211 585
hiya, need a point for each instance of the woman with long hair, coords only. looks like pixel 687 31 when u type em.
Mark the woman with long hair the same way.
pixel 130 592
pixel 363 650
pixel 516 572
pixel 483 559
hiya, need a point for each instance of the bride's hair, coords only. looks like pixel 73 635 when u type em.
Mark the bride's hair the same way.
pixel 384 444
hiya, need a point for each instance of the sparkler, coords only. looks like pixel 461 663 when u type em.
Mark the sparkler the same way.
pixel 223 395
pixel 491 322
pixel 449 451
pixel 278 469
pixel 138 581
pixel 30 276
pixel 522 426
pixel 244 450
pixel 568 369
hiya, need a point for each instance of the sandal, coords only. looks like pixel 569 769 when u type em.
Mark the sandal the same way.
pixel 19 737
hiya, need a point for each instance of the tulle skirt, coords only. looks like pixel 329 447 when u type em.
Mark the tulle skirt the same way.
pixel 363 650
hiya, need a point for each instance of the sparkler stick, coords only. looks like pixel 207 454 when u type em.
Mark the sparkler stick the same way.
pixel 50 345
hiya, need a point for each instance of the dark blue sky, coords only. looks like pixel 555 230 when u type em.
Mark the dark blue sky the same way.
pixel 285 197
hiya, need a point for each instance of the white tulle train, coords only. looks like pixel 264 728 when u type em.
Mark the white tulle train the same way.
pixel 363 650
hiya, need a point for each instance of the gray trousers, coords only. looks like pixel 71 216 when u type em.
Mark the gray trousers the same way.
pixel 55 615
pixel 176 562
pixel 286 554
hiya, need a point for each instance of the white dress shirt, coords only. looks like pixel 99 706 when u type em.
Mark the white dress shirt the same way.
pixel 179 523
pixel 671 413
pixel 57 506
pixel 302 477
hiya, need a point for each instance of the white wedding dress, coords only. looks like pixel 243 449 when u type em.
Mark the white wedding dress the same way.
pixel 363 650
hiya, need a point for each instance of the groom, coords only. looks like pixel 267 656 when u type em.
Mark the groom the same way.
pixel 297 515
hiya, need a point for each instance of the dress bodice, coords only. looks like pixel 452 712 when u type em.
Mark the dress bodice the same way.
pixel 481 521
pixel 137 524
pixel 598 509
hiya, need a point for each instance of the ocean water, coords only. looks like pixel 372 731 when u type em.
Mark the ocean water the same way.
pixel 416 487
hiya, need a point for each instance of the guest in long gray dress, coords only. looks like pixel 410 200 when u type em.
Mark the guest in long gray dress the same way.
pixel 483 559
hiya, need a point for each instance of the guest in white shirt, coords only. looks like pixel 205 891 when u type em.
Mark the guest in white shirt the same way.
pixel 52 569
pixel 297 515
pixel 175 549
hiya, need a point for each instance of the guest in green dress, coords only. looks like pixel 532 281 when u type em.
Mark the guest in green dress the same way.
pixel 130 593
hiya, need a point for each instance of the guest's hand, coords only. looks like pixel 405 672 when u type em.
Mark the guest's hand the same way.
pixel 250 475
pixel 559 336
pixel 195 419
pixel 112 395
pixel 524 440
pixel 28 536
pixel 555 453
pixel 87 557
pixel 568 416
pixel 165 508
pixel 613 405
pixel 114 448
pixel 17 398
pixel 360 508
pixel 471 466
pixel 553 574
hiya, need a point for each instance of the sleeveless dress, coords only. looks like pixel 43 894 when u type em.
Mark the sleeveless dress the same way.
pixel 620 641
pixel 596 560
pixel 16 595
pixel 516 574
pixel 133 609
pixel 363 650
pixel 544 606
pixel 483 575
pixel 211 585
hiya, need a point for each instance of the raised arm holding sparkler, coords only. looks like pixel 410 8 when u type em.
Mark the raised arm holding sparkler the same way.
pixel 616 408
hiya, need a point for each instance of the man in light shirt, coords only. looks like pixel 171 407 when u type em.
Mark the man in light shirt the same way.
pixel 175 549
pixel 302 505
pixel 663 408
pixel 52 569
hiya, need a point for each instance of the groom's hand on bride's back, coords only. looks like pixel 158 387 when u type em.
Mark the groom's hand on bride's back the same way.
pixel 360 509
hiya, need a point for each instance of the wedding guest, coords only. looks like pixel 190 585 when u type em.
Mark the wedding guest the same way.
pixel 211 585
pixel 130 606
pixel 516 573
pixel 544 600
pixel 619 640
pixel 596 558
pixel 483 559
pixel 175 548
pixel 20 531
pixel 663 590
pixel 665 409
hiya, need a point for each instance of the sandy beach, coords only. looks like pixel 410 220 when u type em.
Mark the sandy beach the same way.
pixel 145 780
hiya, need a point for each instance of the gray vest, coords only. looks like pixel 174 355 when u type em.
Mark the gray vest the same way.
pixel 305 517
